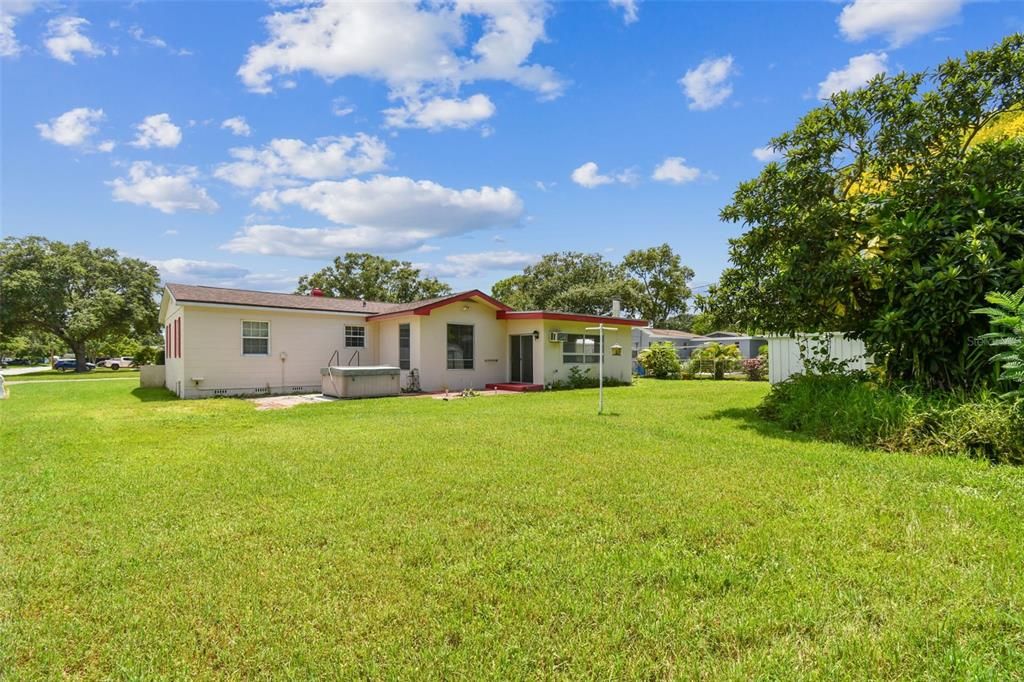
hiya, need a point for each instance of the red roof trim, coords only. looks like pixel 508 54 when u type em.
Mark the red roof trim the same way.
pixel 427 307
pixel 544 315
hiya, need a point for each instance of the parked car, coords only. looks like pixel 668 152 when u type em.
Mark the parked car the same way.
pixel 117 363
pixel 70 364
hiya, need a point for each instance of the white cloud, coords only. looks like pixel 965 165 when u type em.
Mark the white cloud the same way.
pixel 461 265
pixel 707 85
pixel 629 9
pixel 440 112
pixel 900 21
pixel 589 176
pixel 10 10
pixel 157 131
pixel 766 154
pixel 150 185
pixel 544 186
pixel 237 125
pixel 859 70
pixel 381 214
pixel 64 38
pixel 106 146
pixel 674 170
pixel 340 106
pixel 72 128
pixel 213 273
pixel 139 35
pixel 287 161
pixel 420 50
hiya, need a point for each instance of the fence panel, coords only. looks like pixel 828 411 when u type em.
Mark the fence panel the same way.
pixel 784 353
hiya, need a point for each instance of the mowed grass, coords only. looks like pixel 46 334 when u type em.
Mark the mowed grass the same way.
pixel 494 537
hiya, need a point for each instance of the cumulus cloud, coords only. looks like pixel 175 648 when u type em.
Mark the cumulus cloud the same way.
pixel 287 161
pixel 630 9
pixel 674 170
pixel 151 185
pixel 589 175
pixel 440 112
pixel 707 85
pixel 213 273
pixel 473 264
pixel 157 131
pixel 858 71
pixel 10 10
pixel 899 22
pixel 382 214
pixel 420 50
pixel 237 125
pixel 340 106
pixel 74 128
pixel 65 38
pixel 766 154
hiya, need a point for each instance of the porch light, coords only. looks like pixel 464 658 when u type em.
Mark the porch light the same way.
pixel 536 334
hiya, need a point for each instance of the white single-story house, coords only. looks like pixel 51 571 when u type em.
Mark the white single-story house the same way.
pixel 234 342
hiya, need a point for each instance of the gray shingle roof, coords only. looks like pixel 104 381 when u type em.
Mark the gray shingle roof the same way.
pixel 191 293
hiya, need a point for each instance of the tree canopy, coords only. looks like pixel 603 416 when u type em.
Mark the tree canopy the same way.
pixel 74 292
pixel 373 278
pixel 651 283
pixel 894 210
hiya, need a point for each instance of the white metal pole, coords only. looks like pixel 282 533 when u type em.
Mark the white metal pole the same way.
pixel 600 364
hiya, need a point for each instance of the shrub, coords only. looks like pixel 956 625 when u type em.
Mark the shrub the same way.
pixel 1007 320
pixel 724 357
pixel 581 378
pixel 755 368
pixel 660 361
pixel 850 408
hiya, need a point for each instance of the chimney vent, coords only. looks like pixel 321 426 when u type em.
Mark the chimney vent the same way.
pixel 616 308
pixel 317 292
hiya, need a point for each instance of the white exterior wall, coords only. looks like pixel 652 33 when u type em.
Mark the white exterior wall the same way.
pixel 174 368
pixel 387 343
pixel 615 366
pixel 784 354
pixel 490 347
pixel 212 349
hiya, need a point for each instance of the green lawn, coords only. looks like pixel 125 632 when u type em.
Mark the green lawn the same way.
pixel 502 537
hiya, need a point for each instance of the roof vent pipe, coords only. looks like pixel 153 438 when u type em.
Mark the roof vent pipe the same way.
pixel 363 299
pixel 317 292
pixel 616 308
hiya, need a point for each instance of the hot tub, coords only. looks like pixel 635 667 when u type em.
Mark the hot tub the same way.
pixel 360 382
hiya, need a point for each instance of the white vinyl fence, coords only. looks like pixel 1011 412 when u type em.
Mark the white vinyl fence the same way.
pixel 784 353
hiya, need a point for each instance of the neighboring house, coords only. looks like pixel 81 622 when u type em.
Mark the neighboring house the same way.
pixel 232 341
pixel 686 343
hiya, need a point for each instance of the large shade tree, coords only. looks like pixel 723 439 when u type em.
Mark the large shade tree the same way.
pixel 74 292
pixel 568 281
pixel 364 275
pixel 894 210
pixel 660 283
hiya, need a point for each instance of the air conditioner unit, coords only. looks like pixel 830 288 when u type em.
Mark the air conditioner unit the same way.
pixel 558 337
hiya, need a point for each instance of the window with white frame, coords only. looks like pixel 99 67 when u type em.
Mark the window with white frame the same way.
pixel 355 337
pixel 404 346
pixel 580 349
pixel 460 346
pixel 255 337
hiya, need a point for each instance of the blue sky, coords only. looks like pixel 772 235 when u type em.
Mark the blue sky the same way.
pixel 244 144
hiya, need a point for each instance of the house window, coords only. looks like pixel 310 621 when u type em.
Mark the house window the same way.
pixel 355 337
pixel 255 338
pixel 581 349
pixel 404 346
pixel 460 346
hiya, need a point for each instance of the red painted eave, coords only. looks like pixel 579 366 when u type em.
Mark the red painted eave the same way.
pixel 568 317
pixel 426 308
